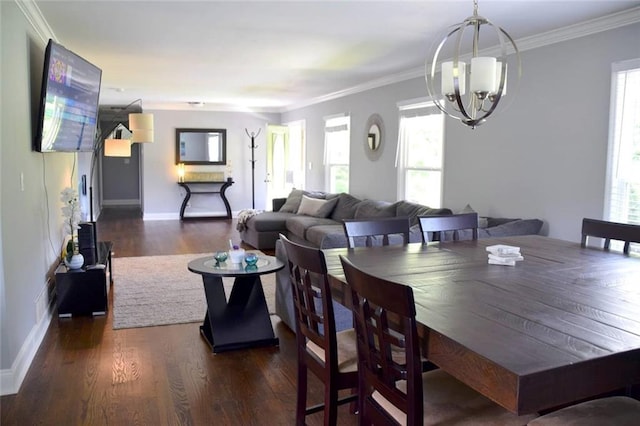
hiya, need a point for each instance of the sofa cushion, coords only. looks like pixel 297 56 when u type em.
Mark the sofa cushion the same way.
pixel 293 201
pixel 299 224
pixel 507 229
pixel 316 207
pixel 497 221
pixel 371 208
pixel 327 236
pixel 269 221
pixel 346 207
pixel 413 210
pixel 483 222
pixel 294 198
pixel 516 227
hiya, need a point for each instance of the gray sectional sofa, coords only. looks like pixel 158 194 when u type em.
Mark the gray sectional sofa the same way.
pixel 322 227
pixel 315 219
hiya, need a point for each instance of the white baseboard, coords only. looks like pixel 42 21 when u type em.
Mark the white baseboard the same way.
pixel 11 379
pixel 176 216
pixel 123 202
pixel 160 216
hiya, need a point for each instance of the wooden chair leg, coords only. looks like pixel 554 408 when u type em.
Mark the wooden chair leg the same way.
pixel 353 405
pixel 301 406
pixel 330 405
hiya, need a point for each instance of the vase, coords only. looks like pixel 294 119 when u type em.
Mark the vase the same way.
pixel 76 261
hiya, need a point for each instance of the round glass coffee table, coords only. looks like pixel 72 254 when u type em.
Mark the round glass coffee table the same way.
pixel 243 321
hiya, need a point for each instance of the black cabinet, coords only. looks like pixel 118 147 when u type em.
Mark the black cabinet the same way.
pixel 85 291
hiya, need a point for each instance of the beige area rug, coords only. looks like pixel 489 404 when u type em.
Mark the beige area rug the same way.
pixel 160 290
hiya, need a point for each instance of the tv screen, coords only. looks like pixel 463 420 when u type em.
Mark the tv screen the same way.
pixel 68 113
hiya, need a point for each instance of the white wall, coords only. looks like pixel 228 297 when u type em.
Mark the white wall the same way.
pixel 31 218
pixel 544 157
pixel 162 196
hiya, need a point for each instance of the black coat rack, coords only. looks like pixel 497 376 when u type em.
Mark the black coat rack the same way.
pixel 253 147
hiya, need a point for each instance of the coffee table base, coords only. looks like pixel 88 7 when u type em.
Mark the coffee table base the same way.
pixel 243 321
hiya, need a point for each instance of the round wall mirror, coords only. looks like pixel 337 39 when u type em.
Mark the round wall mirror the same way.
pixel 374 137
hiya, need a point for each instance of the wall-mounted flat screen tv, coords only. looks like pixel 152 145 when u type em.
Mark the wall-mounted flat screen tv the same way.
pixel 68 113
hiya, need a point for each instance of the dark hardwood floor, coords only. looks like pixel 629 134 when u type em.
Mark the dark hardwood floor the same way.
pixel 86 373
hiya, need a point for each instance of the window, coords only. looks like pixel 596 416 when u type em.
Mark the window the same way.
pixel 336 153
pixel 622 198
pixel 419 157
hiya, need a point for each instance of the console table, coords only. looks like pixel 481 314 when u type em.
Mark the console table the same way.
pixel 224 185
pixel 85 291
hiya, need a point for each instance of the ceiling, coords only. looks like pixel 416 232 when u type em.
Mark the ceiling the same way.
pixel 278 55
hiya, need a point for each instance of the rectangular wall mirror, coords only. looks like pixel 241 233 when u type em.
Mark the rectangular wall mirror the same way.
pixel 201 146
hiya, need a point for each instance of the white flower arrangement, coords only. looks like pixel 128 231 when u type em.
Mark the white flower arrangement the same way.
pixel 71 213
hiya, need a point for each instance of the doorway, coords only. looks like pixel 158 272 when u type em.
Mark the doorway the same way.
pixel 121 183
pixel 285 159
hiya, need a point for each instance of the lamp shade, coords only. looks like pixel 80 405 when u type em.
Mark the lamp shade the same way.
pixel 141 125
pixel 142 136
pixel 117 148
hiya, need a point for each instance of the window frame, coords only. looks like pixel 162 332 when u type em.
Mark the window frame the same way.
pixel 336 123
pixel 612 197
pixel 409 109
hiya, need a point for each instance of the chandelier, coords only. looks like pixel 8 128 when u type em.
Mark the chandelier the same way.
pixel 485 76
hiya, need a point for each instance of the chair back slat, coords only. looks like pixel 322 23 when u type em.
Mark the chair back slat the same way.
pixel 437 225
pixel 313 306
pixel 610 231
pixel 381 228
pixel 378 304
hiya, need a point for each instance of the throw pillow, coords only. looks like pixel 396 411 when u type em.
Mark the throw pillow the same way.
pixel 467 209
pixel 327 208
pixel 483 222
pixel 346 207
pixel 310 206
pixel 371 208
pixel 293 201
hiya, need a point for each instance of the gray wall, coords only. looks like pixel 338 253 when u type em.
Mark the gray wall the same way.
pixel 543 157
pixel 121 178
pixel 162 196
pixel 31 217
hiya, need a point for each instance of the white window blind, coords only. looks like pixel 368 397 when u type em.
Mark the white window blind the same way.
pixel 336 153
pixel 622 198
pixel 419 156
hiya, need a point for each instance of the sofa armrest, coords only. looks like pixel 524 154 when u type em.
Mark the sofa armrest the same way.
pixel 277 203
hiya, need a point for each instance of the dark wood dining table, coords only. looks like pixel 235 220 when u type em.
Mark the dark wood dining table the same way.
pixel 560 326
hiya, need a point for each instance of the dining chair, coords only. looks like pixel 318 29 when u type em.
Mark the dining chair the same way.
pixel 437 225
pixel 400 393
pixel 610 231
pixel 614 410
pixel 331 356
pixel 371 229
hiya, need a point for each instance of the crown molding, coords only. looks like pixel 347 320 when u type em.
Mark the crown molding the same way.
pixel 32 12
pixel 582 29
pixel 626 17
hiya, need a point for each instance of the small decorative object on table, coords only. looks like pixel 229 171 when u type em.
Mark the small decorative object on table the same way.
pixel 236 254
pixel 251 259
pixel 71 212
pixel 501 254
pixel 220 257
